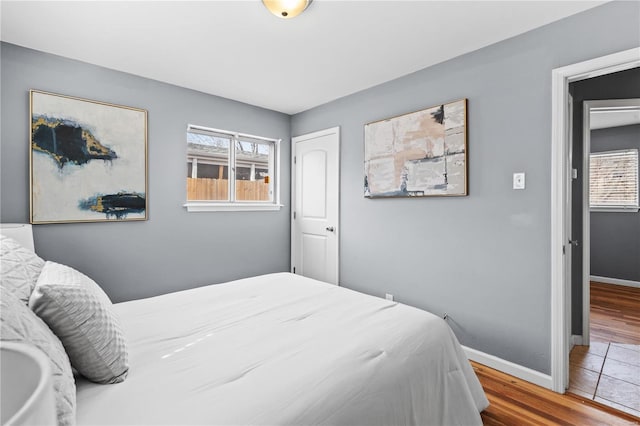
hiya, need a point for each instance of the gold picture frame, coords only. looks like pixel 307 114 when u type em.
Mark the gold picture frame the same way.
pixel 88 160
pixel 418 154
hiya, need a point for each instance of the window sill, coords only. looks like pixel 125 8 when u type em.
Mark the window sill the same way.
pixel 194 207
pixel 614 209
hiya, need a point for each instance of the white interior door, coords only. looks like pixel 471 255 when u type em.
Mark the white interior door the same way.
pixel 568 241
pixel 314 226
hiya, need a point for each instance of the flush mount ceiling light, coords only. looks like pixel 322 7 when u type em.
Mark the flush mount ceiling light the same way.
pixel 286 9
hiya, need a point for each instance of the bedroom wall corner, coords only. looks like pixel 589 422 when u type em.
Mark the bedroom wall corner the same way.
pixel 483 259
pixel 173 250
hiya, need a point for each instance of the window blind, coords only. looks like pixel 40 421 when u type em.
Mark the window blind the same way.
pixel 613 179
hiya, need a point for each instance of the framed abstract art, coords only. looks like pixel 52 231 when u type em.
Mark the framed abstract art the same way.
pixel 419 154
pixel 88 160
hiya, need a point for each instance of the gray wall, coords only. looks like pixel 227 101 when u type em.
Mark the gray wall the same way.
pixel 619 85
pixel 615 237
pixel 497 287
pixel 484 259
pixel 174 249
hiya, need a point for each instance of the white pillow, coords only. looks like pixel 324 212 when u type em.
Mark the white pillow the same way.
pixel 19 268
pixel 19 324
pixel 82 316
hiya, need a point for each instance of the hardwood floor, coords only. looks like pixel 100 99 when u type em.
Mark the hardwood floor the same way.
pixel 615 314
pixel 615 336
pixel 608 371
pixel 517 402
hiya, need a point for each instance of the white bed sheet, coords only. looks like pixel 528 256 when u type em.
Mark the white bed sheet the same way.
pixel 281 349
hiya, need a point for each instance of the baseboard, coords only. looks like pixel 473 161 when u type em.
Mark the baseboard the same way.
pixel 576 340
pixel 616 281
pixel 509 367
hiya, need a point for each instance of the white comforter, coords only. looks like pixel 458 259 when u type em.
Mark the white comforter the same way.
pixel 281 349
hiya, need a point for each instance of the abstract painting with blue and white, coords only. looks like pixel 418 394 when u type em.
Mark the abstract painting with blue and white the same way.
pixel 88 160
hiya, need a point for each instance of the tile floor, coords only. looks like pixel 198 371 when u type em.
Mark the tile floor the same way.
pixel 608 373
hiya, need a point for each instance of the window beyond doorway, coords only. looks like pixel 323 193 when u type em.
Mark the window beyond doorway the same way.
pixel 613 180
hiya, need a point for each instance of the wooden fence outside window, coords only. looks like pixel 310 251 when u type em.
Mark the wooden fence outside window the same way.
pixel 218 189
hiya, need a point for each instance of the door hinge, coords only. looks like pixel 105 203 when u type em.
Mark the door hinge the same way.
pixel 574 173
pixel 295 159
pixel 294 215
pixel 294 269
pixel 564 249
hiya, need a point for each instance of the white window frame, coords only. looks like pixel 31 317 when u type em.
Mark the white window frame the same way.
pixel 196 161
pixel 232 204
pixel 626 208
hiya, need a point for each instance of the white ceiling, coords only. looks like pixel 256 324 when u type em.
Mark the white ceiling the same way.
pixel 238 50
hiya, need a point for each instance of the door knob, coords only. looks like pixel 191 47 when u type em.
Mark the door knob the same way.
pixel 330 228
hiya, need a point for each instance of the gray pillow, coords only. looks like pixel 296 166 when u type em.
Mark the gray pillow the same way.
pixel 82 316
pixel 19 268
pixel 19 324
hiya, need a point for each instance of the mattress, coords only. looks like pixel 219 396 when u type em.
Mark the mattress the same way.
pixel 281 349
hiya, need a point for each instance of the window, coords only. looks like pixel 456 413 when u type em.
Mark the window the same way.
pixel 613 180
pixel 231 171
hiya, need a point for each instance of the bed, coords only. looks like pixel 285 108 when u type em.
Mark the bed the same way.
pixel 281 349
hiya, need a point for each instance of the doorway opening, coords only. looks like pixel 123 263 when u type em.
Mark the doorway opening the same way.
pixel 605 363
pixel 561 179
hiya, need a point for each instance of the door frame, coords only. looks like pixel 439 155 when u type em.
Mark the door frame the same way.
pixel 588 106
pixel 560 288
pixel 294 140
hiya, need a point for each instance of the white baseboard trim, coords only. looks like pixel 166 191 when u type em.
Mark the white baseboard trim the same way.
pixel 509 367
pixel 616 281
pixel 576 340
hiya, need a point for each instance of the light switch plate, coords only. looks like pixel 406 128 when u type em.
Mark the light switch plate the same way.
pixel 518 181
